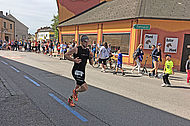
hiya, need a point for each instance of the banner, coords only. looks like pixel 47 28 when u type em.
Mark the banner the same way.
pixel 150 39
pixel 171 45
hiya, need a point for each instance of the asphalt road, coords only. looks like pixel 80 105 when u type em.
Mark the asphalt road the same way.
pixel 46 84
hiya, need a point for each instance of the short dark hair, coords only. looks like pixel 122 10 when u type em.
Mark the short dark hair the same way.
pixel 153 46
pixel 168 55
pixel 84 38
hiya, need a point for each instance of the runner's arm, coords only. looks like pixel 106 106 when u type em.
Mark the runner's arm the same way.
pixel 69 54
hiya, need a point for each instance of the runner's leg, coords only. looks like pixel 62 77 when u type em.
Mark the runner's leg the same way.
pixel 82 88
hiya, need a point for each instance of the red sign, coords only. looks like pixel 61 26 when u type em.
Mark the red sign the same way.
pixel 78 6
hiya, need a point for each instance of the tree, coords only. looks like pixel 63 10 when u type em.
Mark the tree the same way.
pixel 54 25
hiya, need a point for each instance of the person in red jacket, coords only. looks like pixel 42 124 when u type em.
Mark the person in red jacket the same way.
pixel 58 48
pixel 188 69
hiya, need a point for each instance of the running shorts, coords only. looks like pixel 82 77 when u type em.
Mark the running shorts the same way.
pixel 79 77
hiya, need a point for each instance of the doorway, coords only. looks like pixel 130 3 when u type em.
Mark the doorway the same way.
pixel 7 38
pixel 186 51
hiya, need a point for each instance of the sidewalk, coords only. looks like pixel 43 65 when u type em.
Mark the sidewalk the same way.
pixel 178 76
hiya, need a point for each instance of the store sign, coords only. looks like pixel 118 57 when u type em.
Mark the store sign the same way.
pixel 171 45
pixel 150 40
pixel 141 26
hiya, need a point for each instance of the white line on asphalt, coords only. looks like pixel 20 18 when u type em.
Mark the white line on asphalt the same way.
pixel 4 62
pixel 68 108
pixel 15 69
pixel 34 82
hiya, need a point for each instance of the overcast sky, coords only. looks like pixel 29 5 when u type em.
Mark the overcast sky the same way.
pixel 33 13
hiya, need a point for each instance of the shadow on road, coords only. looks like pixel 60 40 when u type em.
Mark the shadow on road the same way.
pixel 180 87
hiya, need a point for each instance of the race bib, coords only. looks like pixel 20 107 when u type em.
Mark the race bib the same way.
pixel 79 73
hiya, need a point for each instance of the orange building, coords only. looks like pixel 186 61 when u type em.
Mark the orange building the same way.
pixel 114 22
pixel 7 28
pixel 71 8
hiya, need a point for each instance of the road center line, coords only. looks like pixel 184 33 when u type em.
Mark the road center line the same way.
pixel 69 108
pixel 15 69
pixel 34 82
pixel 4 62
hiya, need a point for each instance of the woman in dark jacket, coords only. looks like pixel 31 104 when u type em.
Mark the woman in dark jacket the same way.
pixel 159 56
pixel 154 61
pixel 139 57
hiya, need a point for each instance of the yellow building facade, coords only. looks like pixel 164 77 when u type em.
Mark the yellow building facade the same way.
pixel 172 33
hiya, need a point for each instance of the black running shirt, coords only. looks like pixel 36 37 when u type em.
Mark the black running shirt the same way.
pixel 83 54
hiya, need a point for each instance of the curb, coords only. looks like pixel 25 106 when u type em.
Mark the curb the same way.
pixel 7 86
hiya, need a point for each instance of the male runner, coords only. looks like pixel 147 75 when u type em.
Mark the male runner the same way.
pixel 80 56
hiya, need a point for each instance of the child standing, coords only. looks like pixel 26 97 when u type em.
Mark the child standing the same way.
pixel 168 70
pixel 119 63
pixel 188 69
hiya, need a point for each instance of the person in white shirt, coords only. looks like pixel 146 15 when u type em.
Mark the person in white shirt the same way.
pixel 103 56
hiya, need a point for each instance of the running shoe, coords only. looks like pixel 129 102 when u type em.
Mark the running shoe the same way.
pixel 132 71
pixel 114 72
pixel 123 73
pixel 70 101
pixel 163 85
pixel 168 85
pixel 75 95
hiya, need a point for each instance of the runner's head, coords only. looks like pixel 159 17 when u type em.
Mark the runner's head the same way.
pixel 84 40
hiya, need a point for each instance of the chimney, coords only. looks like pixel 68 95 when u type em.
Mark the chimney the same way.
pixel 1 12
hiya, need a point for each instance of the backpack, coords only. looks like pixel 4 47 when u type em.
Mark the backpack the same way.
pixel 135 54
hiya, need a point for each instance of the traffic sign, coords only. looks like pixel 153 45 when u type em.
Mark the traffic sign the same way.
pixel 141 26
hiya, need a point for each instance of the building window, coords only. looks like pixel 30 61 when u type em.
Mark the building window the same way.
pixel 92 38
pixel 5 25
pixel 11 26
pixel 67 37
pixel 51 35
pixel 118 40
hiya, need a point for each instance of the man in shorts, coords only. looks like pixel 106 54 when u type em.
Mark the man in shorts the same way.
pixel 80 56
pixel 103 56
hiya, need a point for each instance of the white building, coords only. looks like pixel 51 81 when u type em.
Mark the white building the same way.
pixel 45 33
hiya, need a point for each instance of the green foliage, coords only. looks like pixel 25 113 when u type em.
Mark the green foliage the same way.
pixel 54 25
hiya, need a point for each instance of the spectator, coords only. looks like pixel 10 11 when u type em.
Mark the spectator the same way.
pixel 65 49
pixel 61 50
pixel 43 46
pixel 168 70
pixel 58 48
pixel 0 44
pixel 103 56
pixel 153 72
pixel 50 48
pixel 188 69
pixel 138 57
pixel 119 62
pixel 94 47
pixel 39 47
pixel 159 56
